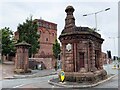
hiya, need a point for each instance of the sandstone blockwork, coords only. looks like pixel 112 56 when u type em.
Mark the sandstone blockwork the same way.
pixel 81 51
pixel 21 58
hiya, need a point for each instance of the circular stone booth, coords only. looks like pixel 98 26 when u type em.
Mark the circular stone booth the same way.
pixel 81 51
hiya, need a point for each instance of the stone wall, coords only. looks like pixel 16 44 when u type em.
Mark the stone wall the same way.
pixel 47 62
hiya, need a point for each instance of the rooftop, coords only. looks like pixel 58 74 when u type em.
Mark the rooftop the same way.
pixel 23 43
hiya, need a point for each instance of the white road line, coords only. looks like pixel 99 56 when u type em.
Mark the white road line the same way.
pixel 26 84
pixel 32 83
pixel 19 86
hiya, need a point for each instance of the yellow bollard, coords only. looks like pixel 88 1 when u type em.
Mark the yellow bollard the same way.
pixel 114 67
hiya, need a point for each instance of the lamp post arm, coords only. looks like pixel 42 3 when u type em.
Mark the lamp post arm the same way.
pixel 93 13
pixel 88 14
pixel 96 16
pixel 99 11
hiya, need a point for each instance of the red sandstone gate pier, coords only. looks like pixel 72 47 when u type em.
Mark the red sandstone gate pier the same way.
pixel 21 59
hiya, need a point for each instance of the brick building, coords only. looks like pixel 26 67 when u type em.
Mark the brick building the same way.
pixel 48 34
pixel 104 58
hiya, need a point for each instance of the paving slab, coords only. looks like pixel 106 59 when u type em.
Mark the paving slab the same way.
pixel 7 72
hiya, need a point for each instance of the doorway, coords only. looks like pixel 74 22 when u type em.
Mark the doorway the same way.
pixel 96 59
pixel 80 63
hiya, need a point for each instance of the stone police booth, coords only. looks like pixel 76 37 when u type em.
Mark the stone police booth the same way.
pixel 81 51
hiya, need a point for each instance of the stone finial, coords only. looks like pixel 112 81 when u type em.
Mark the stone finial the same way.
pixel 69 10
pixel 69 20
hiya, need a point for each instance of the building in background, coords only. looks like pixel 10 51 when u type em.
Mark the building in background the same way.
pixel 48 35
pixel 104 58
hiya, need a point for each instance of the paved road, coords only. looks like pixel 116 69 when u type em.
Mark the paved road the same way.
pixel 39 82
pixel 113 83
pixel 42 82
pixel 108 68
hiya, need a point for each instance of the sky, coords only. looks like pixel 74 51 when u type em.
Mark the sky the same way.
pixel 118 28
pixel 16 11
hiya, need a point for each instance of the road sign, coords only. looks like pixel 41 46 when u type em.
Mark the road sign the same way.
pixel 62 74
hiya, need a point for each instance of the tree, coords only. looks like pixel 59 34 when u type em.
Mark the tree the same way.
pixel 56 51
pixel 7 41
pixel 28 32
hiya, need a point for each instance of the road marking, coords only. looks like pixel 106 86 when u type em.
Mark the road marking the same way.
pixel 43 81
pixel 27 84
pixel 19 86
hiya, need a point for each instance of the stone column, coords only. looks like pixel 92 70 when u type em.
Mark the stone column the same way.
pixel 93 60
pixel 100 59
pixel 63 57
pixel 75 55
pixel 88 56
pixel 92 57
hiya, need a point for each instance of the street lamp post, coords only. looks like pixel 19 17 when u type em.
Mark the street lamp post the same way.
pixel 96 16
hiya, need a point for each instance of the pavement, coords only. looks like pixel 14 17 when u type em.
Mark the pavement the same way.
pixel 77 85
pixel 41 77
pixel 7 72
pixel 112 73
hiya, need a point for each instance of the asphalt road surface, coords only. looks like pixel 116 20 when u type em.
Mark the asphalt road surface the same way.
pixel 39 82
pixel 42 82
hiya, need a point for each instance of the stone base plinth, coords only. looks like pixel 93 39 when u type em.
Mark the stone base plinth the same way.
pixel 86 77
pixel 22 71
